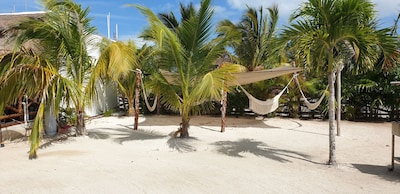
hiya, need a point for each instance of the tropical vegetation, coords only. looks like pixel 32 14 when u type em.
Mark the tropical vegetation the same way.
pixel 323 31
pixel 188 50
pixel 324 38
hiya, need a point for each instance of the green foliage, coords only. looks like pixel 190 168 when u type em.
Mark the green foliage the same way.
pixel 324 33
pixel 108 113
pixel 372 89
pixel 188 50
pixel 68 115
pixel 252 39
pixel 55 66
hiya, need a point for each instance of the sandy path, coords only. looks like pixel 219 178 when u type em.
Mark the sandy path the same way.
pixel 269 156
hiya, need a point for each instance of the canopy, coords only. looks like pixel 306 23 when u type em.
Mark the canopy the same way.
pixel 244 78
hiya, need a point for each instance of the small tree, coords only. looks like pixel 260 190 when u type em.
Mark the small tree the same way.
pixel 189 51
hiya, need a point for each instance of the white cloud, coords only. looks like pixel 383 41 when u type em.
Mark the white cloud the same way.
pixel 387 8
pixel 135 38
pixel 221 13
pixel 286 7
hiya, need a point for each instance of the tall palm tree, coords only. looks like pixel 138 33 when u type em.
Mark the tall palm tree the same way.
pixel 317 34
pixel 59 64
pixel 171 21
pixel 253 37
pixel 189 51
pixel 252 40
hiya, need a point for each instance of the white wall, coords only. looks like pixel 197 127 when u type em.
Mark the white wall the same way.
pixel 107 97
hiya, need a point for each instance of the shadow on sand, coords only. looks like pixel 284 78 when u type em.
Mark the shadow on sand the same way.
pixel 181 144
pixel 121 135
pixel 12 135
pixel 258 148
pixel 199 121
pixel 382 172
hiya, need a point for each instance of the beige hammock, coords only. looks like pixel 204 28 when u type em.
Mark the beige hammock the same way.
pixel 154 106
pixel 262 107
pixel 310 105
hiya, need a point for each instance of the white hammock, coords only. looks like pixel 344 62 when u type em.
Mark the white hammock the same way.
pixel 262 107
pixel 154 106
pixel 311 106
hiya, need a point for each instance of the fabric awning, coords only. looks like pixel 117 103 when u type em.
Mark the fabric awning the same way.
pixel 244 78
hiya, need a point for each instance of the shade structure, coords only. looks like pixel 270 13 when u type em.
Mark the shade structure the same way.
pixel 244 78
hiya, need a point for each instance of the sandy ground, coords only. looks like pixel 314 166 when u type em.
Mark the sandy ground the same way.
pixel 273 155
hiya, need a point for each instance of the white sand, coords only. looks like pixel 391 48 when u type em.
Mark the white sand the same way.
pixel 268 156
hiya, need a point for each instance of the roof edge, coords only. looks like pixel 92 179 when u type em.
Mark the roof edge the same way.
pixel 23 13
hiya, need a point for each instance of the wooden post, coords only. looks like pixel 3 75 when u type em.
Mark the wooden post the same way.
pixel 395 132
pixel 1 137
pixel 392 167
pixel 137 98
pixel 223 110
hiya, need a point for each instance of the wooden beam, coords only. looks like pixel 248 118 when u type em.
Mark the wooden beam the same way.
pixel 11 116
pixel 13 109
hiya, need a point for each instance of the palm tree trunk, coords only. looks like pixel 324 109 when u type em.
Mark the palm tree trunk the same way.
pixel 137 98
pixel 158 105
pixel 339 100
pixel 331 114
pixel 80 123
pixel 131 108
pixel 184 129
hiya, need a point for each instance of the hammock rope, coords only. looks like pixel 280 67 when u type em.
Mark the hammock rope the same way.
pixel 154 106
pixel 263 107
pixel 310 105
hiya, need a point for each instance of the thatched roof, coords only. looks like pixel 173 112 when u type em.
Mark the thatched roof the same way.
pixel 8 20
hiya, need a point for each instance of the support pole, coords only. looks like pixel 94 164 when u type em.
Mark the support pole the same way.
pixel 137 98
pixel 393 139
pixel 1 137
pixel 223 110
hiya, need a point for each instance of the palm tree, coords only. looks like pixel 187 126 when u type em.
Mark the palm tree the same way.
pixel 58 66
pixel 171 21
pixel 253 36
pixel 115 65
pixel 188 51
pixel 118 63
pixel 317 34
pixel 252 41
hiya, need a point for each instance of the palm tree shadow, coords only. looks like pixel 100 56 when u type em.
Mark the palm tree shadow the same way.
pixel 181 144
pixel 380 171
pixel 138 135
pixel 120 135
pixel 95 134
pixel 258 148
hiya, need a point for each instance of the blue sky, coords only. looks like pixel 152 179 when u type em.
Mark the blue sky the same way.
pixel 131 22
